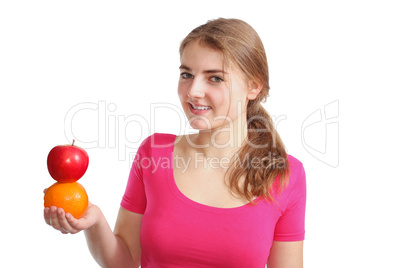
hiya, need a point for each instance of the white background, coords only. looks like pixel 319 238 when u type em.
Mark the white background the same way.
pixel 122 56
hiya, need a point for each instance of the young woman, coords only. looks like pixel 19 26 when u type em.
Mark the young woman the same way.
pixel 228 196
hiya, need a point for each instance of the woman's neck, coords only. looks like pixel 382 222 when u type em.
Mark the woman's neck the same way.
pixel 220 142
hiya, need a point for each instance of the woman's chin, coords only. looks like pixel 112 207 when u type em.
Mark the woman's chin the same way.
pixel 201 127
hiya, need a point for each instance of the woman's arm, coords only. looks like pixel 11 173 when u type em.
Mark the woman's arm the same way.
pixel 286 255
pixel 119 249
pixel 127 228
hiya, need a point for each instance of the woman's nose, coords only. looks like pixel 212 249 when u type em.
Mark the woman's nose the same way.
pixel 196 89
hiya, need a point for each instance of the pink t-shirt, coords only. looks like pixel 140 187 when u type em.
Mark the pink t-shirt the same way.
pixel 179 232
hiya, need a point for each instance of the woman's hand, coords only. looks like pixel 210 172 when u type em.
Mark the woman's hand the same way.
pixel 66 223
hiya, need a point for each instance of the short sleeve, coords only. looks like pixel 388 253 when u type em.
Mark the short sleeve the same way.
pixel 291 225
pixel 134 198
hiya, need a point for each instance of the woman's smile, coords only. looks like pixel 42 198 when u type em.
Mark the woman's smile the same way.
pixel 199 109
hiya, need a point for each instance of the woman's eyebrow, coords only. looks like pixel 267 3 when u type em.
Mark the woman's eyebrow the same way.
pixel 215 71
pixel 184 67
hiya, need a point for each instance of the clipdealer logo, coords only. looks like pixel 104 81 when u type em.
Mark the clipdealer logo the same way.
pixel 320 134
pixel 319 131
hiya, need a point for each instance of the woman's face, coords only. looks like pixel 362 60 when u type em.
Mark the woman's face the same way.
pixel 204 89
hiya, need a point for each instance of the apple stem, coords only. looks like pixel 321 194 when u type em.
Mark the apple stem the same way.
pixel 73 143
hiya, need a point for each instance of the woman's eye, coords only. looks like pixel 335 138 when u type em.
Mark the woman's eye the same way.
pixel 216 79
pixel 186 76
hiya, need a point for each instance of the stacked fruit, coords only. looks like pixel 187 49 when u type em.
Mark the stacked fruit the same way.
pixel 67 164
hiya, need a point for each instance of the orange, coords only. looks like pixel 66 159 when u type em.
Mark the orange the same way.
pixel 71 196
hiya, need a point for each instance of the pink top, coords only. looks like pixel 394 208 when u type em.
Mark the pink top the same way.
pixel 179 232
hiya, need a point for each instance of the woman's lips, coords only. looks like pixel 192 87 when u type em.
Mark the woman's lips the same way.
pixel 198 112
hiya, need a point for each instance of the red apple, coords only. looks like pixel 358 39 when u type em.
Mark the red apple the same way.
pixel 67 163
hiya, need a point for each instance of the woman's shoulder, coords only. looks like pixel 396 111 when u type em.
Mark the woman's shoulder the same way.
pixel 297 173
pixel 294 163
pixel 158 140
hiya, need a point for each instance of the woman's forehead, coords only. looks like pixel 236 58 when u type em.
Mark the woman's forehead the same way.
pixel 196 55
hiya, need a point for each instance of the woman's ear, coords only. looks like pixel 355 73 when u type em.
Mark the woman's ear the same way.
pixel 254 88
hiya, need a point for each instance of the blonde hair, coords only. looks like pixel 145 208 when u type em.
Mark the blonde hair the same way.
pixel 240 45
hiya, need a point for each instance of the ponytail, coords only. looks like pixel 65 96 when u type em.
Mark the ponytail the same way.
pixel 261 160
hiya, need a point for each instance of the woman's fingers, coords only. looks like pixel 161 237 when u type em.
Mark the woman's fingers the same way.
pixel 64 223
pixel 46 215
pixel 86 221
pixel 54 219
pixel 75 223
